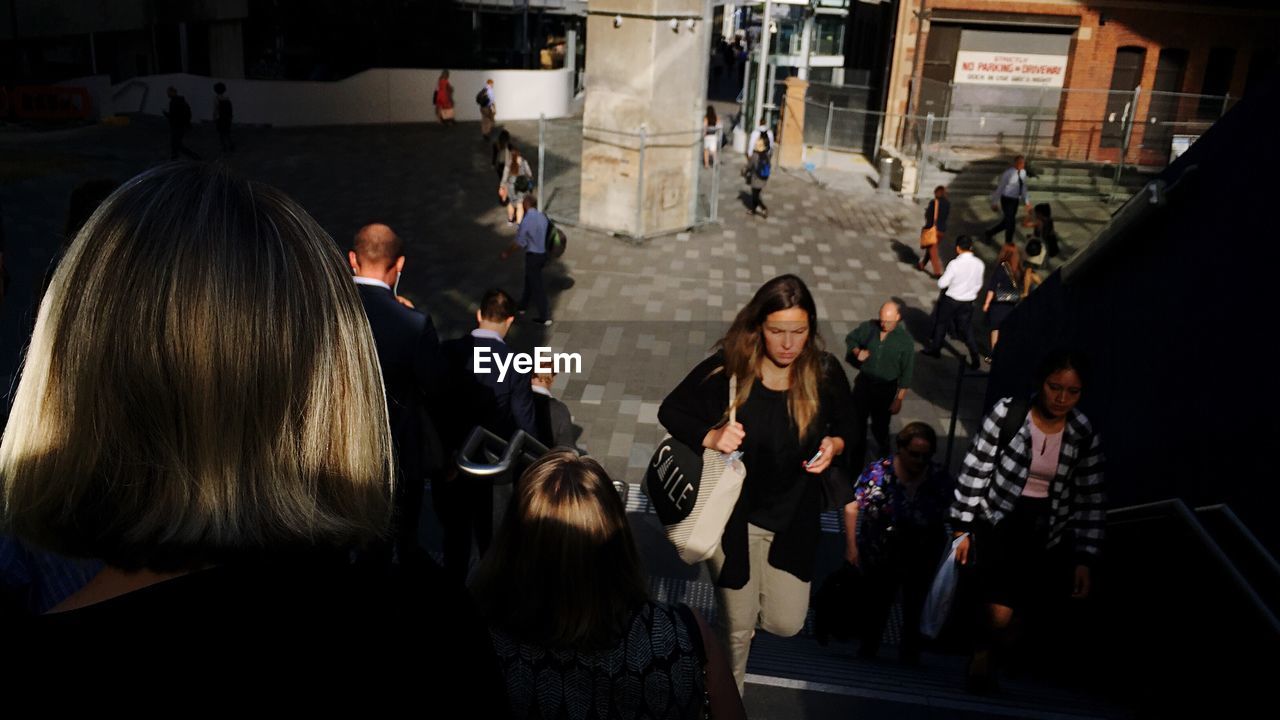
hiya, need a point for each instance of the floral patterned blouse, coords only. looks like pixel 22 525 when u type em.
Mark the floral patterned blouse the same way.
pixel 885 511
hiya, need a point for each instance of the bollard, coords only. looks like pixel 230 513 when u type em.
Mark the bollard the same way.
pixel 886 175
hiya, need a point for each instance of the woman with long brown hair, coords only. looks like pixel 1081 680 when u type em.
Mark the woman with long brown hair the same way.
pixel 792 406
pixel 517 181
pixel 570 615
pixel 1004 290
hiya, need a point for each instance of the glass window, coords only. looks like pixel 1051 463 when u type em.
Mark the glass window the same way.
pixel 828 35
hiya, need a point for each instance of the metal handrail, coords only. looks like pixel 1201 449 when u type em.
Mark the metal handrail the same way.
pixel 521 443
pixel 1175 508
pixel 1245 534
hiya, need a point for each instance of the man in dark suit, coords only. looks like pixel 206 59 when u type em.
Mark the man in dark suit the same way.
pixel 409 352
pixel 478 396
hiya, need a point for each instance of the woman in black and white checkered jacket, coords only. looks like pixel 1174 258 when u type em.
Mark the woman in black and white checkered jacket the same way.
pixel 1031 497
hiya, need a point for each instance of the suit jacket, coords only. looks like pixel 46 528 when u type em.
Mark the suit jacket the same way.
pixel 471 398
pixel 555 423
pixel 409 353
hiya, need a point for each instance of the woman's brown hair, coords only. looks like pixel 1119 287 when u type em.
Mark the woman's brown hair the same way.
pixel 563 571
pixel 515 162
pixel 744 348
pixel 1010 256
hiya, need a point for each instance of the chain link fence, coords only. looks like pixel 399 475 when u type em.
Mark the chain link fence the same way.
pixel 637 184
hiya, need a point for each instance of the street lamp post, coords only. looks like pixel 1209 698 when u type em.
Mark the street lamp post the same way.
pixel 763 64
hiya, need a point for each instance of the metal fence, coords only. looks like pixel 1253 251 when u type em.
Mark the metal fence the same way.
pixel 1076 128
pixel 640 177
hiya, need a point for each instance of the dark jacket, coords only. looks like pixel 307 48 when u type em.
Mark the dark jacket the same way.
pixel 473 398
pixel 555 423
pixel 944 211
pixel 698 404
pixel 409 354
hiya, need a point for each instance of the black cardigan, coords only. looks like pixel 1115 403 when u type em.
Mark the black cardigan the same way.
pixel 698 404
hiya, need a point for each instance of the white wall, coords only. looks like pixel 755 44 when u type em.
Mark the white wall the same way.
pixel 371 97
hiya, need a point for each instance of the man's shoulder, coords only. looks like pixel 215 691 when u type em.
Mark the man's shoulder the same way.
pixel 376 299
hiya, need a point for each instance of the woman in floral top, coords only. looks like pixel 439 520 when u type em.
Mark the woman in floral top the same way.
pixel 898 517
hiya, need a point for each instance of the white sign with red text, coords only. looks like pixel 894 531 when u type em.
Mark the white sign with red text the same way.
pixel 996 68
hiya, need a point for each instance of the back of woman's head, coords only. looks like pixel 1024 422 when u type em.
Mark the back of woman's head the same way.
pixel 201 384
pixel 563 570
pixel 711 115
pixel 1011 256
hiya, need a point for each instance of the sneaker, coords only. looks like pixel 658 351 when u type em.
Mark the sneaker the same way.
pixel 543 322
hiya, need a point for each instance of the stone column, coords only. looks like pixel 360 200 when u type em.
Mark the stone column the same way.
pixel 645 72
pixel 791 132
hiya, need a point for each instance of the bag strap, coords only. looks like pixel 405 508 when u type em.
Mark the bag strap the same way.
pixel 935 212
pixel 733 393
pixel 1015 415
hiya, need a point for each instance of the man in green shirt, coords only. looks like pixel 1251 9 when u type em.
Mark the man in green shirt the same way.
pixel 885 354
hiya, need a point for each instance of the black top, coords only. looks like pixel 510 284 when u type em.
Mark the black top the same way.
pixel 778 494
pixel 409 354
pixel 654 672
pixel 553 420
pixel 944 211
pixel 306 630
pixel 1002 284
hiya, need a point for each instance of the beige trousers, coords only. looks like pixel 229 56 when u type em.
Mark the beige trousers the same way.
pixel 487 116
pixel 773 599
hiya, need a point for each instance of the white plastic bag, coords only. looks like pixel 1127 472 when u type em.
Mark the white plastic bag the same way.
pixel 943 591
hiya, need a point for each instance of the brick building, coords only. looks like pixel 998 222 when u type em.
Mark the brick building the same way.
pixel 1076 79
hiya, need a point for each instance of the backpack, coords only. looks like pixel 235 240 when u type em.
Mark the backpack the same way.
pixel 523 184
pixel 482 98
pixel 555 241
pixel 763 166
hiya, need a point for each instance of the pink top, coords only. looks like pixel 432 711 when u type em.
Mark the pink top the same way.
pixel 1044 462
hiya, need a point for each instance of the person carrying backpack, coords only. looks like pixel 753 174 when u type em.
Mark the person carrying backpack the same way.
pixel 759 165
pixel 488 103
pixel 222 114
pixel 179 115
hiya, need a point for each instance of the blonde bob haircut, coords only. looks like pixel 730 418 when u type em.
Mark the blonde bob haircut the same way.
pixel 563 571
pixel 201 385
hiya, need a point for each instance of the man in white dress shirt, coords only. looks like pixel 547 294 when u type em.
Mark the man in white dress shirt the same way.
pixel 961 283
pixel 1009 193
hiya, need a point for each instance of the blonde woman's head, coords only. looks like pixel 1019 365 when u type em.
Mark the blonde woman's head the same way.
pixel 563 570
pixel 201 384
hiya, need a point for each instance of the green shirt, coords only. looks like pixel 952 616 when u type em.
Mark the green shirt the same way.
pixel 892 359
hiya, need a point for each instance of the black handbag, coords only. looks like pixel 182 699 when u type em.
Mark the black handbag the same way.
pixel 838 606
pixel 837 485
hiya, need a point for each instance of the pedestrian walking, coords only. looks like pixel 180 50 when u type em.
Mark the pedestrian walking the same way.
pixel 1031 499
pixel 895 533
pixel 501 157
pixel 487 99
pixel 711 130
pixel 792 422
pixel 179 117
pixel 1009 195
pixel 442 98
pixel 884 354
pixel 935 230
pixel 532 238
pixel 517 181
pixel 1003 291
pixel 960 284
pixel 222 114
pixel 759 166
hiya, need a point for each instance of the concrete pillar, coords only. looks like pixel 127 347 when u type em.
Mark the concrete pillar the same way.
pixel 644 74
pixel 806 40
pixel 791 136
pixel 226 50
pixel 726 26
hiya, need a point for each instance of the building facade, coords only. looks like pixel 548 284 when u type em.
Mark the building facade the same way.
pixel 1089 80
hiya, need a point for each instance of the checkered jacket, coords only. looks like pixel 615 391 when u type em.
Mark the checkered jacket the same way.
pixel 1077 497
